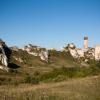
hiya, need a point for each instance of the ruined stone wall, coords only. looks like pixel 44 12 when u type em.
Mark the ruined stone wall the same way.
pixel 97 52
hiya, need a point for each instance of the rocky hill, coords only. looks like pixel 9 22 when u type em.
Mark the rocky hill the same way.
pixel 37 51
pixel 32 58
pixel 5 53
pixel 80 54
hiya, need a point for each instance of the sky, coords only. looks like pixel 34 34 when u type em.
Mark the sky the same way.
pixel 49 23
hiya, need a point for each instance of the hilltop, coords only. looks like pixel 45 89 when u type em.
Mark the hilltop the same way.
pixel 32 58
pixel 49 74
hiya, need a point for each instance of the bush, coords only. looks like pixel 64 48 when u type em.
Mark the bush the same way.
pixel 31 79
pixel 65 73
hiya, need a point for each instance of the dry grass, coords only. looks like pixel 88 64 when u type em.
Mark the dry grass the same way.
pixel 69 87
pixel 74 89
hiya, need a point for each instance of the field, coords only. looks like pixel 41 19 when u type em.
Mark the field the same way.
pixel 87 88
pixel 62 78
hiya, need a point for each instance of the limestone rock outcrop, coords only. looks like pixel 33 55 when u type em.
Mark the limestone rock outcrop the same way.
pixel 97 52
pixel 72 49
pixel 84 54
pixel 4 56
pixel 37 51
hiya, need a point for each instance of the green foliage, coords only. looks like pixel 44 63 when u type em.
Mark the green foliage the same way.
pixel 60 78
pixel 58 74
pixel 31 79
pixel 65 73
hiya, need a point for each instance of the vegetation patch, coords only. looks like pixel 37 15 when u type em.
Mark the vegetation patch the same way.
pixel 31 79
pixel 66 73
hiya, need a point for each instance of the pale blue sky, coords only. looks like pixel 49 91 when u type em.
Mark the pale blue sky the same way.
pixel 49 23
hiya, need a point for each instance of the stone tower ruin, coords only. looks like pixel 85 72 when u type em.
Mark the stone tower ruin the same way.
pixel 85 42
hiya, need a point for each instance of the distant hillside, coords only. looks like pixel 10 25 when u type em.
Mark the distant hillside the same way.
pixel 33 58
pixel 35 72
pixel 30 63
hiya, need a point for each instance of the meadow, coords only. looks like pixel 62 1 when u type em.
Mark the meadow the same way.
pixel 62 78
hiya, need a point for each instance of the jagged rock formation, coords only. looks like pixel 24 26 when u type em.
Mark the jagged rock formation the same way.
pixel 37 51
pixel 18 59
pixel 76 53
pixel 90 53
pixel 4 56
pixel 26 55
pixel 82 54
pixel 86 53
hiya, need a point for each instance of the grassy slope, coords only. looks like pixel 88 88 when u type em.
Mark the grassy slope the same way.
pixel 32 64
pixel 87 88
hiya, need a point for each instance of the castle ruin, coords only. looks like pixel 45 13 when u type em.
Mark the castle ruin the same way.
pixel 86 52
pixel 85 42
pixel 97 52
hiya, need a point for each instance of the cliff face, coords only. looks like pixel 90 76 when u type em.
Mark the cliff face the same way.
pixel 82 54
pixel 37 51
pixel 4 56
pixel 31 56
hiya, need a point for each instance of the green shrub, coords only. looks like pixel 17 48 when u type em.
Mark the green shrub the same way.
pixel 65 73
pixel 31 79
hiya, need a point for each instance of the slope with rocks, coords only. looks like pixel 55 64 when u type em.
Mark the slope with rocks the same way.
pixel 29 63
pixel 34 58
pixel 37 51
pixel 80 54
pixel 23 65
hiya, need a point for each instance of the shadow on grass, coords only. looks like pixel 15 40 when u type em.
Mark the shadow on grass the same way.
pixel 13 66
